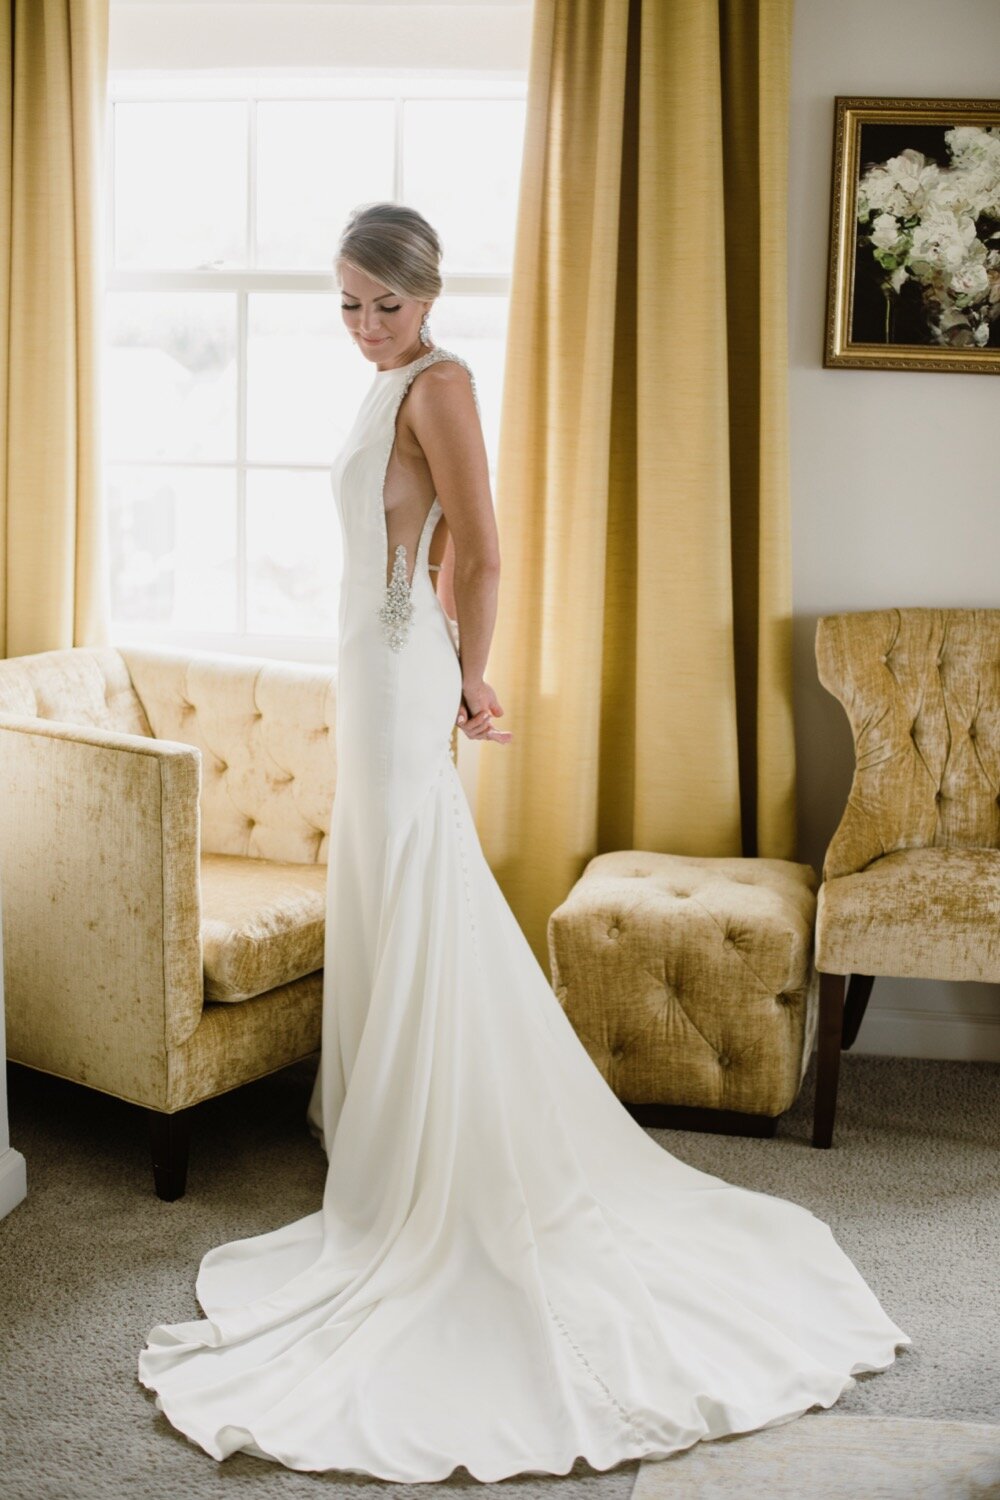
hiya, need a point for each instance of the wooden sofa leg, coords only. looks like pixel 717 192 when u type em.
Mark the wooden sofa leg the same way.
pixel 830 1039
pixel 855 1006
pixel 170 1138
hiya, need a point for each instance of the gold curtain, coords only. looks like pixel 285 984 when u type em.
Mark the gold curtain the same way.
pixel 53 550
pixel 643 642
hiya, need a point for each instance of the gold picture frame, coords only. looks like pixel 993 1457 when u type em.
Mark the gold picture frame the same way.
pixel 914 267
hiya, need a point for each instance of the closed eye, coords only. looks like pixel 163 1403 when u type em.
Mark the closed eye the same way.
pixel 353 307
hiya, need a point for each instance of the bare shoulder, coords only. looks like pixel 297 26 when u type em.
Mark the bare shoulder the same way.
pixel 442 403
pixel 446 426
pixel 444 385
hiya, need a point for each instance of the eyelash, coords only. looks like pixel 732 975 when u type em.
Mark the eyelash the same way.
pixel 353 307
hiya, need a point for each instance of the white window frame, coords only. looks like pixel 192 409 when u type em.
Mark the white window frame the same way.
pixel 315 86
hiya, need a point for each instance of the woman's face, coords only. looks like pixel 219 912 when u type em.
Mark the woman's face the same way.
pixel 386 328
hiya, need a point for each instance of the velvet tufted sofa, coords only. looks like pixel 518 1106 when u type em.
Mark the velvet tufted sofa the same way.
pixel 911 877
pixel 163 845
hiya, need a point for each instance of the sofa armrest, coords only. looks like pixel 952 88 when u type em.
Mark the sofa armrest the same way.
pixel 99 860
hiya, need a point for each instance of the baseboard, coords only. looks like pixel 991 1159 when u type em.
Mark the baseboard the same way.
pixel 908 1031
pixel 13 1180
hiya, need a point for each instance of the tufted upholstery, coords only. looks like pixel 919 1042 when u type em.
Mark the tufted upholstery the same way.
pixel 90 687
pixel 921 688
pixel 911 877
pixel 917 913
pixel 266 736
pixel 164 818
pixel 689 979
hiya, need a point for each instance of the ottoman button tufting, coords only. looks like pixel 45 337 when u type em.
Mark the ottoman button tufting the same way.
pixel 674 998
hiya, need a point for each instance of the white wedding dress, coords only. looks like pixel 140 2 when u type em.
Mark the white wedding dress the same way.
pixel 507 1271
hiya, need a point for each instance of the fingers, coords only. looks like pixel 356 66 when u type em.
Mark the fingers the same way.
pixel 478 726
pixel 485 731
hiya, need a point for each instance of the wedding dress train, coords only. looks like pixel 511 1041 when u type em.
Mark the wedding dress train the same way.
pixel 506 1271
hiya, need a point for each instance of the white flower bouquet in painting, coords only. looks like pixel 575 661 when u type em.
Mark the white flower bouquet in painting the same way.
pixel 936 229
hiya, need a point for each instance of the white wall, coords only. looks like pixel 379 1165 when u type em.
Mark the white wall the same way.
pixel 895 479
pixel 13 1171
pixel 366 36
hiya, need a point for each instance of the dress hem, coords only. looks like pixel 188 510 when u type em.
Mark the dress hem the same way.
pixel 652 1451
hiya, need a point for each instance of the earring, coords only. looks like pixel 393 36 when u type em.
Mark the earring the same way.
pixel 425 332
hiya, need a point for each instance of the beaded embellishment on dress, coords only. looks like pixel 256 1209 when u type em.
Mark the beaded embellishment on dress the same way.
pixel 397 607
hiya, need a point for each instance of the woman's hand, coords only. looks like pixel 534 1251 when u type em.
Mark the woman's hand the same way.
pixel 479 701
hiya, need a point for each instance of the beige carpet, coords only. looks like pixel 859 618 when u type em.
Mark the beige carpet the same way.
pixel 91 1260
pixel 838 1457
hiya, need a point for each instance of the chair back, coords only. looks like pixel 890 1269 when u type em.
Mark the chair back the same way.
pixel 921 688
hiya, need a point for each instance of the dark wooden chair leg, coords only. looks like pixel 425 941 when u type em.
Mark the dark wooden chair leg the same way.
pixel 830 1038
pixel 170 1139
pixel 855 1006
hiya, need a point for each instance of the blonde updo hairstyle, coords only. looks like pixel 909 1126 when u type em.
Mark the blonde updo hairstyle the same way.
pixel 396 246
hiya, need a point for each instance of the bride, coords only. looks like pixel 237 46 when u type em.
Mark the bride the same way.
pixel 506 1271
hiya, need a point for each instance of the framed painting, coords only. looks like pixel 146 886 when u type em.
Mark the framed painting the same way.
pixel 914 270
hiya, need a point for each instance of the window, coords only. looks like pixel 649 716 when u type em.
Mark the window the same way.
pixel 229 378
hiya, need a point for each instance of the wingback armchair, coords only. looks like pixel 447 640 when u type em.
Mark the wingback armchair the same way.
pixel 163 836
pixel 911 878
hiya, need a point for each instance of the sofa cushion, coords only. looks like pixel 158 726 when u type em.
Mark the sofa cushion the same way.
pixel 915 913
pixel 263 923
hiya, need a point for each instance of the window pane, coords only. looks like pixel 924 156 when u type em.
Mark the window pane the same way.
pixel 170 375
pixel 461 164
pixel 293 553
pixel 317 161
pixel 173 547
pixel 180 184
pixel 304 377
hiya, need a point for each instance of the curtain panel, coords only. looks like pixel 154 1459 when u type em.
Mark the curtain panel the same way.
pixel 53 549
pixel 643 642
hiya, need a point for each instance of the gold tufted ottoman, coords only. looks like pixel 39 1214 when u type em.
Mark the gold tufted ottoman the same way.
pixel 691 982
